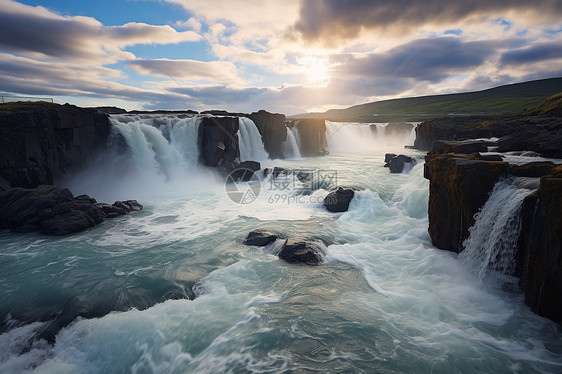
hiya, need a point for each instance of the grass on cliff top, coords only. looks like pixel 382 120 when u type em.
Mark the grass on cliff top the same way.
pixel 552 105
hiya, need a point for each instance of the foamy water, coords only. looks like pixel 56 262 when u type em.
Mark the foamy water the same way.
pixel 384 301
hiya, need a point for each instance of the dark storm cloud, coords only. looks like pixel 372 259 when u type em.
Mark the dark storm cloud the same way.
pixel 423 59
pixel 330 20
pixel 533 53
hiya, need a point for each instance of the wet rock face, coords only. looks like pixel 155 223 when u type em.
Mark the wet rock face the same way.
pixel 463 147
pixel 460 186
pixel 541 248
pixel 458 189
pixel 260 238
pixel 312 132
pixel 541 134
pixel 338 200
pixel 40 142
pixel 218 143
pixel 397 164
pixel 273 131
pixel 301 251
pixel 52 210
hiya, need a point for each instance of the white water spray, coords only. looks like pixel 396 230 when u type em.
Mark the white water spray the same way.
pixel 291 146
pixel 493 237
pixel 251 145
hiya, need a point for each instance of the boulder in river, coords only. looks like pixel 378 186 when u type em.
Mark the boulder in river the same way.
pixel 338 200
pixel 260 238
pixel 52 210
pixel 300 250
pixel 397 163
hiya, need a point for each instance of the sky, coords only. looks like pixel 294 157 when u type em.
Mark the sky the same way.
pixel 288 56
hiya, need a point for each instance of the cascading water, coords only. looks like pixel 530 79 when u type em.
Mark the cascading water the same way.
pixel 384 301
pixel 381 130
pixel 493 237
pixel 346 137
pixel 291 147
pixel 161 145
pixel 251 145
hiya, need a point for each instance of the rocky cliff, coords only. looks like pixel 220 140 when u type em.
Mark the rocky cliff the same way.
pixel 40 142
pixel 540 254
pixel 540 132
pixel 273 131
pixel 312 134
pixel 459 187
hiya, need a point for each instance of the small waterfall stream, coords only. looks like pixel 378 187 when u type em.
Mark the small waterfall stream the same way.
pixel 291 146
pixel 493 237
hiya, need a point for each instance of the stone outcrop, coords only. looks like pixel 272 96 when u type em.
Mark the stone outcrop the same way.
pixel 396 163
pixel 338 200
pixel 52 210
pixel 458 188
pixel 462 147
pixel 245 171
pixel 312 134
pixel 42 142
pixel 260 238
pixel 546 140
pixel 273 131
pixel 218 143
pixel 302 251
pixel 541 134
pixel 540 257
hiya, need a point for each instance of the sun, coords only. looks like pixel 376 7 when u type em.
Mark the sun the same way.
pixel 315 69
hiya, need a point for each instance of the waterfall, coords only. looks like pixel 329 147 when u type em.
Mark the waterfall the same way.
pixel 493 238
pixel 251 144
pixel 344 137
pixel 291 146
pixel 161 145
pixel 381 130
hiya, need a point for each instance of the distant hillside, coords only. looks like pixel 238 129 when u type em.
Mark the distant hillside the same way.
pixel 513 98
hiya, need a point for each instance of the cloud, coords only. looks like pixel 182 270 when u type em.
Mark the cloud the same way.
pixel 430 59
pixel 40 33
pixel 536 52
pixel 218 71
pixel 330 21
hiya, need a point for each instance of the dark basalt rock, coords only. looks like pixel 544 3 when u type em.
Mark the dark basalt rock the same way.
pixel 397 164
pixel 218 143
pixel 541 134
pixel 478 156
pixel 387 158
pixel 532 169
pixel 273 131
pixel 463 147
pixel 338 200
pixel 540 255
pixel 245 171
pixel 301 251
pixel 458 188
pixel 260 238
pixel 312 132
pixel 52 210
pixel 41 142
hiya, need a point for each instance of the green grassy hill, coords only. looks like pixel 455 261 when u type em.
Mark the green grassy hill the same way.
pixel 513 98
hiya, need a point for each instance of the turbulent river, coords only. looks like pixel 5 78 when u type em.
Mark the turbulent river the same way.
pixel 173 289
